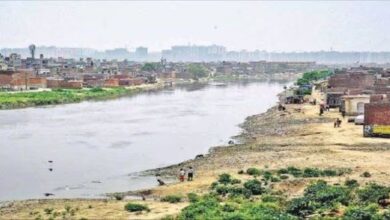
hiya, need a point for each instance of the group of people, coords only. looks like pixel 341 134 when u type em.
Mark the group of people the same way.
pixel 189 172
pixel 182 175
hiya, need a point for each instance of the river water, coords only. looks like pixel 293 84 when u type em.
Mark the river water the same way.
pixel 94 146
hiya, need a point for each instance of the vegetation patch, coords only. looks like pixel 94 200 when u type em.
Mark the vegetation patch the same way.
pixel 135 207
pixel 172 198
pixel 320 200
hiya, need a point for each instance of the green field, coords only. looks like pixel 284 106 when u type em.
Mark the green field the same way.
pixel 60 96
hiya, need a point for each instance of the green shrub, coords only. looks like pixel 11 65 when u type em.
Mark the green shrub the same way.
pixel 351 183
pixel 372 193
pixel 301 207
pixel 329 172
pixel 171 198
pixel 361 213
pixel 225 178
pixel 193 197
pixel 275 179
pixel 366 174
pixel 283 177
pixel 48 211
pixel 213 185
pixel 267 175
pixel 294 171
pixel 253 171
pixel 222 190
pixel 118 196
pixel 282 171
pixel 207 208
pixel 327 196
pixel 240 191
pixel 235 181
pixel 254 186
pixel 311 172
pixel 96 89
pixel 135 207
pixel 230 207
pixel 240 172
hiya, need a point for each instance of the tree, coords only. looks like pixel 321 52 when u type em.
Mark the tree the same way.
pixel 197 71
pixel 149 67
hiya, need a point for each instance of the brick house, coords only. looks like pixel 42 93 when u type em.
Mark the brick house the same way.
pixel 377 119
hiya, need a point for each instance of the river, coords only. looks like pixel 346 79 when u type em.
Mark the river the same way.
pixel 93 146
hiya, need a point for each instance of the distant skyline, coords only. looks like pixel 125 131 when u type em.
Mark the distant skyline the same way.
pixel 272 26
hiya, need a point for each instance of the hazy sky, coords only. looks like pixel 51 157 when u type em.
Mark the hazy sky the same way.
pixel 250 25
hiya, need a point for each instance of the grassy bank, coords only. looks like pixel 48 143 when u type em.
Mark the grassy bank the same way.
pixel 11 100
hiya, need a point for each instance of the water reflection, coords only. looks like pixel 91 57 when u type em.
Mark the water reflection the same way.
pixel 95 145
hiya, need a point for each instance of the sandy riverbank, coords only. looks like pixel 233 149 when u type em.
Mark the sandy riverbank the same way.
pixel 273 140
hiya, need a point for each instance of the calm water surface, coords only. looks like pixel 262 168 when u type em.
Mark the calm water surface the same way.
pixel 94 146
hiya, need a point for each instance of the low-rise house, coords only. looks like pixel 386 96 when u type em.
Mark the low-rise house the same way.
pixel 377 119
pixel 111 82
pixel 15 80
pixel 37 83
pixel 354 104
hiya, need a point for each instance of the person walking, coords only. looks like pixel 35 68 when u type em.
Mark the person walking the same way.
pixel 190 174
pixel 182 174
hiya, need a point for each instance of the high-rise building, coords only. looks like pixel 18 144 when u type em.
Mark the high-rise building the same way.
pixel 141 52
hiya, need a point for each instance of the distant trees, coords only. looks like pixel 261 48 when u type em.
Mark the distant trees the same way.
pixel 309 77
pixel 149 67
pixel 197 71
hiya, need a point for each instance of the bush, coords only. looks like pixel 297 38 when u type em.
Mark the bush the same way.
pixel 366 174
pixel 311 172
pixel 171 198
pixel 372 193
pixel 97 89
pixel 282 171
pixel 235 181
pixel 240 191
pixel 192 197
pixel 283 177
pixel 118 196
pixel 351 183
pixel 267 175
pixel 254 186
pixel 361 213
pixel 253 171
pixel 213 185
pixel 135 207
pixel 300 207
pixel 275 179
pixel 294 171
pixel 225 178
pixel 206 208
pixel 222 190
pixel 329 172
pixel 240 172
pixel 327 196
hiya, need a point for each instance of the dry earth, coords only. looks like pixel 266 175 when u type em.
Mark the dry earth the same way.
pixel 276 139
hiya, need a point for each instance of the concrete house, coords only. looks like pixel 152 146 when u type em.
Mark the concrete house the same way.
pixel 354 104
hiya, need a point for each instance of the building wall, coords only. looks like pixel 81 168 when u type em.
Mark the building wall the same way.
pixel 377 119
pixel 351 105
pixel 111 83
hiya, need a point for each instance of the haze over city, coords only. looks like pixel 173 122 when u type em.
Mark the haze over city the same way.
pixel 271 26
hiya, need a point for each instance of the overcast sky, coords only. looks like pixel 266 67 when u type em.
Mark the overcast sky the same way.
pixel 250 25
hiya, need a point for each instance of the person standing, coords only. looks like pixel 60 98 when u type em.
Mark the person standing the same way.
pixel 190 174
pixel 182 174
